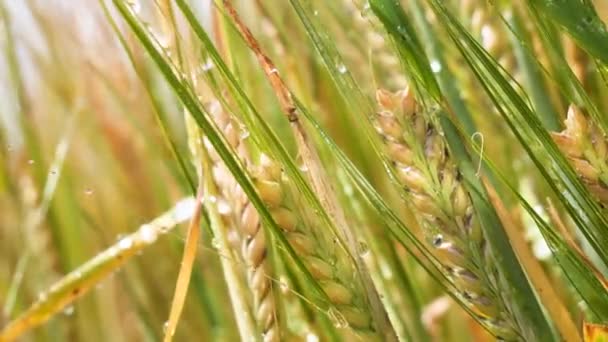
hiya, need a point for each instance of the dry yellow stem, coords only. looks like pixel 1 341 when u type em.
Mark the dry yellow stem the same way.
pixel 84 278
pixel 185 271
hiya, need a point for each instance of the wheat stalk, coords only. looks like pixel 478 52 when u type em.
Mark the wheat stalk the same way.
pixel 586 149
pixel 238 212
pixel 423 164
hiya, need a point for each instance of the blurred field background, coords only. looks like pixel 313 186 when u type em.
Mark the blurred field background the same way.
pixel 84 163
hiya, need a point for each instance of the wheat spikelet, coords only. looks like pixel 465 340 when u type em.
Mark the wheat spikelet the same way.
pixel 423 165
pixel 237 211
pixel 321 257
pixel 586 149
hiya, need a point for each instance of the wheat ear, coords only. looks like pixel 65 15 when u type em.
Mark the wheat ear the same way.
pixel 423 164
pixel 586 148
pixel 239 212
pixel 321 257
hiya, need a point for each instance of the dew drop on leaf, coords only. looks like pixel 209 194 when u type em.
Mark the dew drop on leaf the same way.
pixel 435 66
pixel 312 337
pixel 69 310
pixel 184 209
pixel 148 234
pixel 337 318
pixel 362 248
pixel 208 65
pixel 125 243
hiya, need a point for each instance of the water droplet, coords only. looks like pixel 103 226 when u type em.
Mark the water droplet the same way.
pixel 435 66
pixel 125 243
pixel 31 161
pixel 113 251
pixel 337 318
pixel 244 134
pixel 215 108
pixel 216 243
pixel 208 65
pixel 184 209
pixel 312 337
pixel 165 327
pixel 437 240
pixel 386 271
pixel 315 13
pixel 342 68
pixel 362 248
pixel 283 284
pixel 348 190
pixel 274 71
pixel 223 207
pixel 69 310
pixel 88 191
pixel 148 234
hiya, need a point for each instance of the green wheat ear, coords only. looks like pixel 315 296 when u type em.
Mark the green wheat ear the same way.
pixel 423 164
